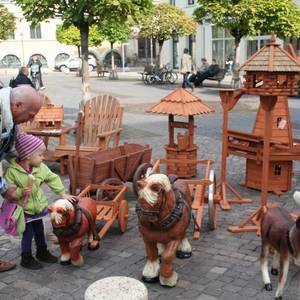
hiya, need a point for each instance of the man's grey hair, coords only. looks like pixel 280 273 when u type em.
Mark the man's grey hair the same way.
pixel 19 93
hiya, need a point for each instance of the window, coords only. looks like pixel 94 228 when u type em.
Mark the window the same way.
pixel 35 31
pixel 11 35
pixel 255 44
pixel 222 45
pixel 191 2
pixel 172 2
pixel 10 61
pixel 277 170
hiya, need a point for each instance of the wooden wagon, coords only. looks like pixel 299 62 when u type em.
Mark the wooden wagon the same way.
pixel 112 166
pixel 109 211
pixel 203 191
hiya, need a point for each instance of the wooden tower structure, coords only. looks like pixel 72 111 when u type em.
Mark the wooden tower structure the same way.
pixel 181 103
pixel 272 74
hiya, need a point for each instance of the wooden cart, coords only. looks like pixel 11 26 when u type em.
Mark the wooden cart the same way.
pixel 109 211
pixel 203 191
pixel 112 166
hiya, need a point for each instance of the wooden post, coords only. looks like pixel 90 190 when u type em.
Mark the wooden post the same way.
pixel 267 103
pixel 171 131
pixel 191 131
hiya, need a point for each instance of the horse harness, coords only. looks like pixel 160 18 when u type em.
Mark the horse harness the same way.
pixel 73 228
pixel 173 217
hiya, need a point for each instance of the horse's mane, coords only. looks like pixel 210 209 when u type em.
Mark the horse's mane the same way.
pixel 149 195
pixel 61 203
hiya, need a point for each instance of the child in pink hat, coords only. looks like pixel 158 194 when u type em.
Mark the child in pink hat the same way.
pixel 28 173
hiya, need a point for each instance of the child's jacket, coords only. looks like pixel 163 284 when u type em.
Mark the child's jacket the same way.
pixel 16 175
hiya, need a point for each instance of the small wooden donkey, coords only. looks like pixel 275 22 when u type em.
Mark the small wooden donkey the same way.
pixel 280 232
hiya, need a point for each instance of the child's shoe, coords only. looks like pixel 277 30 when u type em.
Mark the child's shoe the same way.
pixel 29 262
pixel 45 256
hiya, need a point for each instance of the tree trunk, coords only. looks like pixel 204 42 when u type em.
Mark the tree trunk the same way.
pixel 78 51
pixel 113 74
pixel 160 44
pixel 112 56
pixel 237 50
pixel 84 37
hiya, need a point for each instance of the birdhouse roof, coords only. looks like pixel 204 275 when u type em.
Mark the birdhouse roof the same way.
pixel 181 103
pixel 271 58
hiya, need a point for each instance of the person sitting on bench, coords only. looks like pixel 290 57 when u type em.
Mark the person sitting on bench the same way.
pixel 213 69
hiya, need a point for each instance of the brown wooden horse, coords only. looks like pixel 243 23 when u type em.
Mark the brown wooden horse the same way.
pixel 164 212
pixel 280 232
pixel 71 222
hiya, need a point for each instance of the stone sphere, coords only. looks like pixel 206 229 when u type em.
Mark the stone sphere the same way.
pixel 116 287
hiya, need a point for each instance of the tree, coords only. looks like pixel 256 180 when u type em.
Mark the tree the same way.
pixel 244 18
pixel 166 22
pixel 7 23
pixel 114 32
pixel 71 36
pixel 83 14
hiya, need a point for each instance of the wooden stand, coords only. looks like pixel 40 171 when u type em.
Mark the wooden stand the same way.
pixel 229 98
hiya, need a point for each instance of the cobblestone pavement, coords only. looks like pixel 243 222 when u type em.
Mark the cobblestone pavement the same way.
pixel 223 265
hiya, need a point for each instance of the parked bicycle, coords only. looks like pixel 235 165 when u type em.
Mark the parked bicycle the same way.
pixel 161 75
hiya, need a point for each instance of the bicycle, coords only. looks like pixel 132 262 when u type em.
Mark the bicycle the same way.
pixel 162 75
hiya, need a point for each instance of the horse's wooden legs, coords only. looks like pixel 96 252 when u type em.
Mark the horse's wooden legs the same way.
pixel 76 258
pixel 184 249
pixel 65 253
pixel 264 266
pixel 284 268
pixel 168 277
pixel 151 269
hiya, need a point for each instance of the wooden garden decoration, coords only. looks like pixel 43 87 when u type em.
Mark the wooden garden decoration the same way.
pixel 272 74
pixel 183 104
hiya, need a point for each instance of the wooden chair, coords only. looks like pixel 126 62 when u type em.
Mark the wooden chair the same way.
pixel 101 128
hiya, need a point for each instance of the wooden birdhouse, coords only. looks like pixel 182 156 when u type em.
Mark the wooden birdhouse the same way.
pixel 273 74
pixel 181 103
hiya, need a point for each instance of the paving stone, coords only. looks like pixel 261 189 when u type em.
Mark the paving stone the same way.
pixel 206 297
pixel 218 270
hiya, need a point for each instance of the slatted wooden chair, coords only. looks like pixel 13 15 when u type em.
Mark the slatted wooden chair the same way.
pixel 101 129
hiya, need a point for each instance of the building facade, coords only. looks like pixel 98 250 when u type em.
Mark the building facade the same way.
pixel 212 42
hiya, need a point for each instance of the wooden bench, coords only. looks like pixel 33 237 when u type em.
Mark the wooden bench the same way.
pixel 218 77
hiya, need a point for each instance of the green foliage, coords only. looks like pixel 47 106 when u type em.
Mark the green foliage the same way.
pixel 7 22
pixel 114 32
pixel 249 18
pixel 167 21
pixel 71 36
pixel 83 11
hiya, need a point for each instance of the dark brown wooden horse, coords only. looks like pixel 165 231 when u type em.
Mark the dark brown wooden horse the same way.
pixel 281 233
pixel 164 212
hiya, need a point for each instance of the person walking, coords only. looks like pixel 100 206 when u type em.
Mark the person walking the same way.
pixel 17 106
pixel 186 69
pixel 35 66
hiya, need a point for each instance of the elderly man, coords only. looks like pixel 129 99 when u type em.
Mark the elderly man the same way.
pixel 17 106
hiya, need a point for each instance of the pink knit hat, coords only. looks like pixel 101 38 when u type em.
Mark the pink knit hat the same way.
pixel 27 144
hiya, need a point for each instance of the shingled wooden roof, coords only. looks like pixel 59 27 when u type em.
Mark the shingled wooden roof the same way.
pixel 181 103
pixel 271 58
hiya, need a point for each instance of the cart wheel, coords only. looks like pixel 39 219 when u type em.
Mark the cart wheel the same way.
pixel 211 203
pixel 107 195
pixel 123 216
pixel 140 174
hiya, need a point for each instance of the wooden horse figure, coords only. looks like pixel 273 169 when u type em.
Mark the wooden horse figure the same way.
pixel 164 212
pixel 71 221
pixel 280 232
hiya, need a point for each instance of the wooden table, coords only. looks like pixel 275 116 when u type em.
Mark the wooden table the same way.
pixel 57 133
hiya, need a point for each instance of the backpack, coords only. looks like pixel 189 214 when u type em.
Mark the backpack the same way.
pixel 12 83
pixel 7 220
